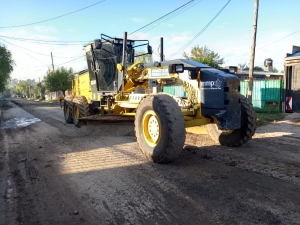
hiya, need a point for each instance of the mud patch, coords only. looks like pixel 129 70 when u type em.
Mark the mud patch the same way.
pixel 18 122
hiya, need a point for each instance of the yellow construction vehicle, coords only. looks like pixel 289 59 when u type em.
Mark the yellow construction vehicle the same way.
pixel 115 87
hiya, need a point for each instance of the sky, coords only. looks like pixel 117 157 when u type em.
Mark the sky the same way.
pixel 33 29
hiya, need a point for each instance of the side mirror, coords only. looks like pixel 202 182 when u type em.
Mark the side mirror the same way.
pixel 149 48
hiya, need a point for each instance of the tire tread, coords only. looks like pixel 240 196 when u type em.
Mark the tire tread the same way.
pixel 176 130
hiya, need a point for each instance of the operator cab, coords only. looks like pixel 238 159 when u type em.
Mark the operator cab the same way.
pixel 104 54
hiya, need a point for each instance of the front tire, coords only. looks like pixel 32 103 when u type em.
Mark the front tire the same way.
pixel 68 112
pixel 239 136
pixel 80 109
pixel 159 128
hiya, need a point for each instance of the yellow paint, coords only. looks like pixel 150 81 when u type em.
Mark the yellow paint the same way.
pixel 135 71
pixel 128 105
pixel 191 122
pixel 196 130
pixel 151 128
pixel 120 67
pixel 82 86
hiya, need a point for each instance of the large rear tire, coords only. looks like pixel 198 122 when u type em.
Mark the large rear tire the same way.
pixel 239 136
pixel 159 128
pixel 68 112
pixel 80 109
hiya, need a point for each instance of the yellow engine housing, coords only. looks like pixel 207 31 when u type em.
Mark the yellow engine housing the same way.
pixel 81 85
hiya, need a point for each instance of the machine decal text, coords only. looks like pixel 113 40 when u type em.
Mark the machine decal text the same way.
pixel 211 84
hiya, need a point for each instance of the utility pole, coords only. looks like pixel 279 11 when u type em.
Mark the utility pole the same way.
pixel 29 87
pixel 52 62
pixel 40 85
pixel 252 57
pixel 161 49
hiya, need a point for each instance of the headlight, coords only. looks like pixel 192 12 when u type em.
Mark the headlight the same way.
pixel 176 68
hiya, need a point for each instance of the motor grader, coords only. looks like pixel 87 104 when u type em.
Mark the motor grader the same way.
pixel 116 87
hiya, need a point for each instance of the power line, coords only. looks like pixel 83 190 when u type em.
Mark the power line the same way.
pixel 44 42
pixel 36 40
pixel 35 58
pixel 278 40
pixel 50 64
pixel 46 65
pixel 161 17
pixel 71 60
pixel 33 51
pixel 28 24
pixel 24 48
pixel 201 31
pixel 171 16
pixel 265 45
pixel 34 66
pixel 23 52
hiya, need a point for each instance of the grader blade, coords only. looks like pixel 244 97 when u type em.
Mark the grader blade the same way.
pixel 99 117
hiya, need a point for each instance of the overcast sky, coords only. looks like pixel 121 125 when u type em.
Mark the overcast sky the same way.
pixel 229 34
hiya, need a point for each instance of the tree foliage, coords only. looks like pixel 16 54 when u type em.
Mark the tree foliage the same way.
pixel 258 68
pixel 141 56
pixel 6 66
pixel 60 79
pixel 205 55
pixel 243 66
pixel 12 83
pixel 24 88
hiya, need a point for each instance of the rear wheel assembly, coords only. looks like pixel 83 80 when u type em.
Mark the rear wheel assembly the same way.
pixel 68 112
pixel 239 136
pixel 159 128
pixel 80 109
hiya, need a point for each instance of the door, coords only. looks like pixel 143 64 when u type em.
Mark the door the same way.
pixel 288 89
pixel 296 88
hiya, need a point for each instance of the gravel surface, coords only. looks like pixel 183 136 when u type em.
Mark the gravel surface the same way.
pixel 54 173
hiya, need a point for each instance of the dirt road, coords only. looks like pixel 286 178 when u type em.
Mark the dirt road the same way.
pixel 54 173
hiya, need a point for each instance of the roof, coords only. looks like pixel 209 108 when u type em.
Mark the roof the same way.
pixel 266 73
pixel 81 72
pixel 295 53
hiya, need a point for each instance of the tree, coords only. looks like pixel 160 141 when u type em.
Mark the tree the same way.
pixel 60 79
pixel 36 90
pixel 42 89
pixel 143 57
pixel 6 66
pixel 22 88
pixel 12 85
pixel 243 66
pixel 205 56
pixel 274 70
pixel 258 68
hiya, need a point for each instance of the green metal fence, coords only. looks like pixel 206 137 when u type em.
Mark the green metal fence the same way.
pixel 175 90
pixel 267 95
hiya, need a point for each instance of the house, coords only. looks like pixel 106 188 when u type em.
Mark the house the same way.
pixel 292 80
